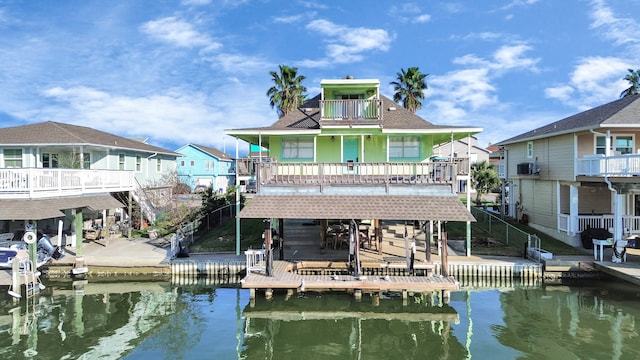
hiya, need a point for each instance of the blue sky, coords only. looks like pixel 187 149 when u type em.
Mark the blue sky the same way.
pixel 181 72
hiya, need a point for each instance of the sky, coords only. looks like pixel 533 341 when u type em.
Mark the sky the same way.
pixel 180 72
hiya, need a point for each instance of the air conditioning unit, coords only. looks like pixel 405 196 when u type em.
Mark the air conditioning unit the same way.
pixel 525 169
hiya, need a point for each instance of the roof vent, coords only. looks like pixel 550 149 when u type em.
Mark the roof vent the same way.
pixel 392 108
pixel 348 77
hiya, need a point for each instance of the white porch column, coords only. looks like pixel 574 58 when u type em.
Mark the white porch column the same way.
pixel 573 209
pixel 618 201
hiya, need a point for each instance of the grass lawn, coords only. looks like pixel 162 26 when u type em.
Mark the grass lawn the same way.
pixel 458 230
pixel 223 238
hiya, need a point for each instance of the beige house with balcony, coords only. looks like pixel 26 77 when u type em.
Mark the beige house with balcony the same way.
pixel 350 153
pixel 53 171
pixel 578 172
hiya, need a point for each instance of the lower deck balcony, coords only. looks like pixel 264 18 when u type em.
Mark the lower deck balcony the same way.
pixel 630 223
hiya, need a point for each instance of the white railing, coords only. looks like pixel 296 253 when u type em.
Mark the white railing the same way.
pixel 40 183
pixel 630 223
pixel 362 173
pixel 600 165
pixel 351 109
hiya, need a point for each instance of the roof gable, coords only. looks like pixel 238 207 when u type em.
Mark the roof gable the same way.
pixel 213 152
pixel 625 111
pixel 55 133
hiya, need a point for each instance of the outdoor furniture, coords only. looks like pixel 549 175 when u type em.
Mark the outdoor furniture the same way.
pixel 598 247
pixel 255 261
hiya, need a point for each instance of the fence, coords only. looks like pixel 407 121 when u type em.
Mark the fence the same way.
pixel 508 234
pixel 185 235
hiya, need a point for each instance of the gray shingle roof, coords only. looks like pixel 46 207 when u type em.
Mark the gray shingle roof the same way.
pixel 400 118
pixel 211 151
pixel 55 133
pixel 385 207
pixel 625 111
pixel 38 209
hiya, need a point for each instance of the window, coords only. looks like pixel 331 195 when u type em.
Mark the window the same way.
pixel 407 147
pixel 158 165
pixel 297 149
pixel 12 158
pixel 138 163
pixel 530 149
pixel 86 160
pixel 209 165
pixel 193 163
pixel 121 163
pixel 50 161
pixel 181 162
pixel 620 144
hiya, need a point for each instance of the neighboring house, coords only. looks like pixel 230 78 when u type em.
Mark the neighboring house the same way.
pixel 204 166
pixel 352 153
pixel 578 172
pixel 465 148
pixel 53 171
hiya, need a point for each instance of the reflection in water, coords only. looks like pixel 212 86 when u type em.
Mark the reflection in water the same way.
pixel 155 320
pixel 596 322
pixel 338 327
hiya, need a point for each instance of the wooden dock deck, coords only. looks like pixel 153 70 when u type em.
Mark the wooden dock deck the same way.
pixel 284 277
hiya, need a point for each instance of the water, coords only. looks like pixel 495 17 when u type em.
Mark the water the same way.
pixel 156 320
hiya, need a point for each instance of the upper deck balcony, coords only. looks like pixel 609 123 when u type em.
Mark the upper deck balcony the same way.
pixel 601 165
pixel 351 110
pixel 33 183
pixel 363 174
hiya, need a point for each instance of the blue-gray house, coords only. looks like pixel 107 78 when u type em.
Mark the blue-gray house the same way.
pixel 204 166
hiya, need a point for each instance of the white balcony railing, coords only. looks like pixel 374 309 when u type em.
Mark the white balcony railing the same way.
pixel 356 173
pixel 630 223
pixel 41 183
pixel 351 109
pixel 600 165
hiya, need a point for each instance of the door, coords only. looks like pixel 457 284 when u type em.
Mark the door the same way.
pixel 350 154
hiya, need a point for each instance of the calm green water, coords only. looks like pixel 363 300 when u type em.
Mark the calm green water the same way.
pixel 156 320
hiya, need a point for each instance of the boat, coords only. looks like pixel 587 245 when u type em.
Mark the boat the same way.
pixel 46 251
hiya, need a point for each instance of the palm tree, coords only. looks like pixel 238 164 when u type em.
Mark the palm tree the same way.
pixel 410 88
pixel 633 77
pixel 484 178
pixel 287 93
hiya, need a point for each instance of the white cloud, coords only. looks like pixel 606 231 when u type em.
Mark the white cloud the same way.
pixel 518 3
pixel 409 12
pixel 594 81
pixel 511 57
pixel 347 44
pixel 178 32
pixel 238 63
pixel 620 30
pixel 174 117
pixel 288 19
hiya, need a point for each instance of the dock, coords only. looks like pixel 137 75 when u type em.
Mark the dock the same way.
pixel 285 277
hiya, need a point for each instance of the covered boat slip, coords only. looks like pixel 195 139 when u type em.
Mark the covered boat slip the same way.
pixel 304 238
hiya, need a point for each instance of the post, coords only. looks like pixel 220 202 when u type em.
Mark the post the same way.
pixel 281 237
pixel 237 205
pixel 267 246
pixel 445 262
pixel 428 237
